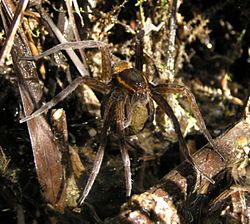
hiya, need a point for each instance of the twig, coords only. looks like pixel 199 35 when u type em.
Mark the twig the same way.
pixel 171 49
pixel 173 200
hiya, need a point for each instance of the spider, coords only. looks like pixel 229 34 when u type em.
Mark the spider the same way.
pixel 127 91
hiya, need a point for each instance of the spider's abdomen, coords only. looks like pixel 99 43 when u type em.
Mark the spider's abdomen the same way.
pixel 139 114
pixel 132 80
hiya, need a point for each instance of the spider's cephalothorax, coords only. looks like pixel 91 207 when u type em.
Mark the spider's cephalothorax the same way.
pixel 132 80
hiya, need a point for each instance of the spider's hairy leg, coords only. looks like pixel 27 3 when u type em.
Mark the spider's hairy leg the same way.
pixel 106 64
pixel 139 38
pixel 160 100
pixel 100 152
pixel 175 88
pixel 120 130
pixel 94 172
pixel 84 44
pixel 151 110
pixel 128 108
pixel 92 83
pixel 127 169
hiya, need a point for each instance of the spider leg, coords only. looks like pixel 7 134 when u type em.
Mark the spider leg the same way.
pixel 100 152
pixel 127 169
pixel 94 172
pixel 128 108
pixel 84 44
pixel 139 50
pixel 106 64
pixel 151 110
pixel 175 88
pixel 120 129
pixel 160 100
pixel 92 83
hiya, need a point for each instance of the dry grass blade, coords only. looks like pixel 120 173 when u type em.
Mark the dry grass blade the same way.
pixel 13 29
pixel 74 27
pixel 46 149
pixel 79 65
